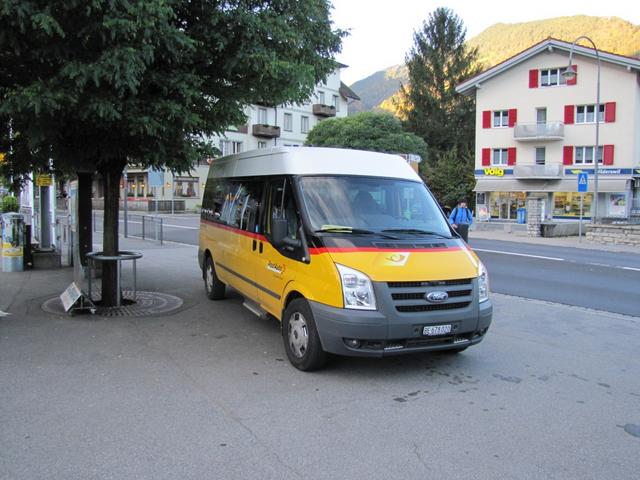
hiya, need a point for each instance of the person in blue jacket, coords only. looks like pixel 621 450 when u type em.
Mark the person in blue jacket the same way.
pixel 461 218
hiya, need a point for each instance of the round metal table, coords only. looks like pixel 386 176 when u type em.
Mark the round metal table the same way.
pixel 122 256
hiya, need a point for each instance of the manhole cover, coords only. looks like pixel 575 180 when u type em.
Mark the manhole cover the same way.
pixel 147 304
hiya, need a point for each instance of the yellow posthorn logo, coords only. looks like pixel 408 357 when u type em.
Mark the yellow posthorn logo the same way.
pixel 396 257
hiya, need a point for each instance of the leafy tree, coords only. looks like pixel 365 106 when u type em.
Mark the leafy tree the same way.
pixel 438 61
pixel 380 132
pixel 9 204
pixel 449 175
pixel 100 84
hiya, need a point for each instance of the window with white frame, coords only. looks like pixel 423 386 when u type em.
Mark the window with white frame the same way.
pixel 552 77
pixel 541 154
pixel 304 124
pixel 288 122
pixel 500 156
pixel 262 116
pixel 228 147
pixel 586 114
pixel 262 144
pixel 336 102
pixel 500 118
pixel 584 155
pixel 321 97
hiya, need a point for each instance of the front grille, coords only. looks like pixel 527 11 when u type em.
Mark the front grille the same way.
pixel 431 307
pixel 410 297
pixel 420 296
pixel 436 283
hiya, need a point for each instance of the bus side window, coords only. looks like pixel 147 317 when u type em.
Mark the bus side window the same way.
pixel 281 203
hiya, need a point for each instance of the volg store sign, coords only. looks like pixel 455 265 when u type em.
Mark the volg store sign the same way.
pixel 494 172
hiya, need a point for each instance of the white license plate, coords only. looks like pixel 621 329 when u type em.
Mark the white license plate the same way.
pixel 436 330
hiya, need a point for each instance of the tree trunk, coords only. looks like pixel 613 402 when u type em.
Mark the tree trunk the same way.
pixel 85 232
pixel 110 240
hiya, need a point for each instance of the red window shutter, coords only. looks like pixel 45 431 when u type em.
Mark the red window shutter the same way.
pixel 486 119
pixel 486 157
pixel 513 117
pixel 574 80
pixel 608 155
pixel 511 156
pixel 569 112
pixel 567 155
pixel 533 78
pixel 610 112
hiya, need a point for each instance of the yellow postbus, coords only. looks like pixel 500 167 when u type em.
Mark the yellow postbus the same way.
pixel 348 249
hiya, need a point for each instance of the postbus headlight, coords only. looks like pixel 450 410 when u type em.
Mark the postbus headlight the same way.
pixel 357 289
pixel 483 283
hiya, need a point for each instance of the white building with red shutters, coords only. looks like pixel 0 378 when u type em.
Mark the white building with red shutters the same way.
pixel 535 132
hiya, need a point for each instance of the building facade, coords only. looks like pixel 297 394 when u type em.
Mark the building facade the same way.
pixel 267 126
pixel 536 131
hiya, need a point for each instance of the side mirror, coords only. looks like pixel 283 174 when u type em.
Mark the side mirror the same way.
pixel 278 231
pixel 279 234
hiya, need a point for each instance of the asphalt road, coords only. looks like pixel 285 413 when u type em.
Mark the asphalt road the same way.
pixel 601 280
pixel 608 281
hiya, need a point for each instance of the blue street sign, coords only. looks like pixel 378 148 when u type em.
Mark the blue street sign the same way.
pixel 583 181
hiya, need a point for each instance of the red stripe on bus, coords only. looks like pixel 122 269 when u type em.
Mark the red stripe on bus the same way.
pixel 317 251
pixel 229 228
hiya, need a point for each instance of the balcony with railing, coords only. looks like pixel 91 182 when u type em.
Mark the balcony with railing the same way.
pixel 541 172
pixel 535 132
pixel 322 110
pixel 265 131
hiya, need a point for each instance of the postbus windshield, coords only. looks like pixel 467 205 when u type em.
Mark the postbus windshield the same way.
pixel 343 203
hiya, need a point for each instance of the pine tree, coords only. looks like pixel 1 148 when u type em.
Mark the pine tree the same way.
pixel 438 61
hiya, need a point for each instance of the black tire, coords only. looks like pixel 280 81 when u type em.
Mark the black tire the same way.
pixel 212 285
pixel 300 336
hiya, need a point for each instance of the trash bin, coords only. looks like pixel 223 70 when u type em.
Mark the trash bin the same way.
pixel 522 215
pixel 12 242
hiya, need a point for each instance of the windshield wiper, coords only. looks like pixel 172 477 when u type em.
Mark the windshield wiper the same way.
pixel 356 231
pixel 416 231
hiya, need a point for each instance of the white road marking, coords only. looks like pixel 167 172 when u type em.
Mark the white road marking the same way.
pixel 4 314
pixel 520 254
pixel 631 268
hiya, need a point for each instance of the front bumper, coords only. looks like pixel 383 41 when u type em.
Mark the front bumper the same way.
pixel 387 331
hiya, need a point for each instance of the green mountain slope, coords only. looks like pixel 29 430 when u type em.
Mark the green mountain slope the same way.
pixel 376 88
pixel 611 34
pixel 501 41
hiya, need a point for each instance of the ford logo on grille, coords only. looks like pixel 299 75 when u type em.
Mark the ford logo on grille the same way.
pixel 436 297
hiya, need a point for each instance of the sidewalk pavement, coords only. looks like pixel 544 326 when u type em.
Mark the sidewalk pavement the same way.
pixel 571 242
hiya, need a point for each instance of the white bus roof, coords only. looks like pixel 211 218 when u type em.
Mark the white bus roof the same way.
pixel 312 161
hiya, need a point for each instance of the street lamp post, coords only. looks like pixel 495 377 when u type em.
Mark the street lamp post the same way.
pixel 570 73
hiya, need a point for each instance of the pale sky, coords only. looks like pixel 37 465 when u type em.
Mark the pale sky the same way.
pixel 382 30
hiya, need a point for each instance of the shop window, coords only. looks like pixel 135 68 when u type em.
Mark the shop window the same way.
pixel 567 204
pixel 186 187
